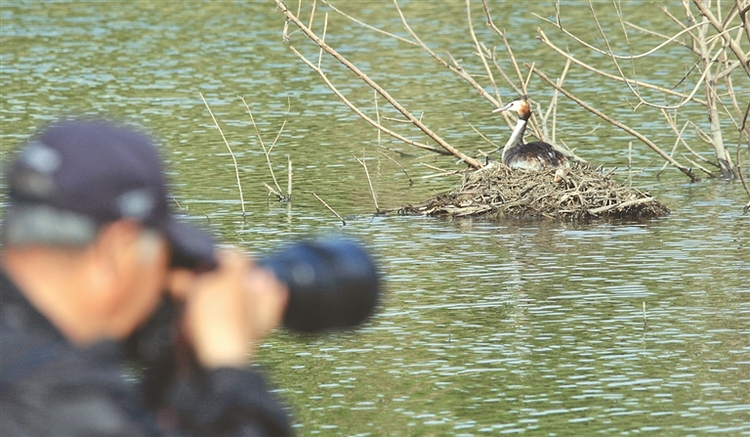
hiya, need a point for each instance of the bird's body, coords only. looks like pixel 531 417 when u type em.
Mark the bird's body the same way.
pixel 537 155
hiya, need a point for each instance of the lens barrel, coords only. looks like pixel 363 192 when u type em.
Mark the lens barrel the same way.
pixel 333 284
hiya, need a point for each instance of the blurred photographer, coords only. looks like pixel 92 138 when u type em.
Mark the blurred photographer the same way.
pixel 90 249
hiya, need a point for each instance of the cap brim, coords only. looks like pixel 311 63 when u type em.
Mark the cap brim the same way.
pixel 192 248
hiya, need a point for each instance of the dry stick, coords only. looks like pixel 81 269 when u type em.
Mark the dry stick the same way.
pixel 668 39
pixel 454 68
pixel 322 38
pixel 453 151
pixel 362 23
pixel 480 52
pixel 543 38
pixel 329 208
pixel 398 120
pixel 743 13
pixel 614 122
pixel 630 164
pixel 481 135
pixel 679 138
pixel 702 158
pixel 411 182
pixel 369 181
pixel 627 39
pixel 733 45
pixel 717 140
pixel 236 168
pixel 289 179
pixel 735 104
pixel 265 151
pixel 558 24
pixel 274 192
pixel 362 115
pixel 377 116
pixel 447 172
pixel 490 54
pixel 312 14
pixel 696 164
pixel 534 125
pixel 553 103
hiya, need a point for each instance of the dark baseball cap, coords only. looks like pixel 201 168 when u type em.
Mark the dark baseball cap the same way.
pixel 96 172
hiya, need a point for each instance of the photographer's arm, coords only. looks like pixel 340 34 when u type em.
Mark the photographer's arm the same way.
pixel 228 312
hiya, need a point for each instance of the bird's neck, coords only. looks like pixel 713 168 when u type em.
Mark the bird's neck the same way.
pixel 516 138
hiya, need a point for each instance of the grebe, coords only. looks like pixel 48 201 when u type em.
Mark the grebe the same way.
pixel 530 156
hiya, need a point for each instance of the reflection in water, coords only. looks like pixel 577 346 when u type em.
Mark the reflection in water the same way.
pixel 486 328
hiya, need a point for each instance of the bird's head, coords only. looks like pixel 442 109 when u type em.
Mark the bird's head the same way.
pixel 520 105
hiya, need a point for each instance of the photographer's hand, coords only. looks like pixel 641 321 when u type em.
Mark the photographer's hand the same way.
pixel 230 309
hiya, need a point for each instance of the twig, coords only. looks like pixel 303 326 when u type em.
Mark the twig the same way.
pixel 363 24
pixel 700 167
pixel 369 181
pixel 362 115
pixel 333 53
pixel 479 48
pixel 289 179
pixel 329 208
pixel 174 199
pixel 481 135
pixel 454 68
pixel 741 176
pixel 630 164
pixel 543 38
pixel 733 45
pixel 444 171
pixel 236 168
pixel 614 122
pixel 411 182
pixel 274 192
pixel 622 205
pixel 265 150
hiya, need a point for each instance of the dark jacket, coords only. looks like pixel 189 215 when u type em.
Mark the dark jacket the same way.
pixel 49 387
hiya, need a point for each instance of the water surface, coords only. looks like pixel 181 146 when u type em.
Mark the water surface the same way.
pixel 486 328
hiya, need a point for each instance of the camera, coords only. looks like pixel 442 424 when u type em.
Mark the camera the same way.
pixel 333 284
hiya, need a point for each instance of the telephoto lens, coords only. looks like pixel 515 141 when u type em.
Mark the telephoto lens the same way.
pixel 333 284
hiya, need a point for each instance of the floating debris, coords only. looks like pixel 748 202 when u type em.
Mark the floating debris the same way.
pixel 580 192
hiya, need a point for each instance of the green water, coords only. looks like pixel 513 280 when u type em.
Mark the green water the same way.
pixel 486 328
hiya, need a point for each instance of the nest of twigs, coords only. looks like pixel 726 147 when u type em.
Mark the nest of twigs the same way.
pixel 497 191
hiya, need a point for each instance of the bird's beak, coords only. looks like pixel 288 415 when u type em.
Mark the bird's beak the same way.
pixel 503 108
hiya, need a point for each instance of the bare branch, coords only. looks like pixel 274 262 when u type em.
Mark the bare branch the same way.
pixel 266 151
pixel 543 38
pixel 234 160
pixel 369 181
pixel 333 53
pixel 736 49
pixel 454 68
pixel 614 122
pixel 343 222
pixel 364 116
pixel 363 24
pixel 479 48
